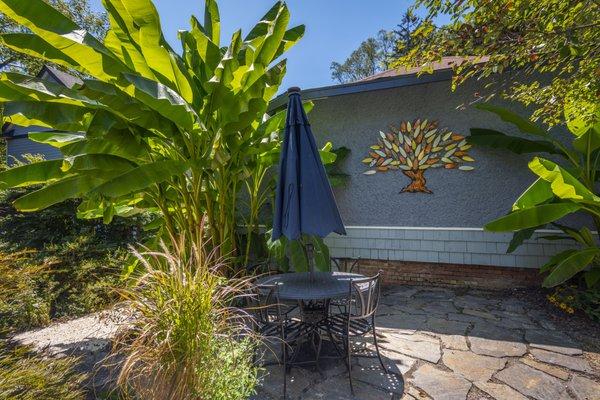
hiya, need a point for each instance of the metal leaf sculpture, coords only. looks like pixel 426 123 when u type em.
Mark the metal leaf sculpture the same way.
pixel 415 147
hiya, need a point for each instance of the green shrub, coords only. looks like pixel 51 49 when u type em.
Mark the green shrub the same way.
pixel 26 376
pixel 186 342
pixel 24 294
pixel 588 301
pixel 71 266
pixel 571 298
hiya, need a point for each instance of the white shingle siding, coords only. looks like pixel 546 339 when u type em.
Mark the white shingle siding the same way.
pixel 17 147
pixel 470 246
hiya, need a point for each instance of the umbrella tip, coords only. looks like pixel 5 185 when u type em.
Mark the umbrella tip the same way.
pixel 293 89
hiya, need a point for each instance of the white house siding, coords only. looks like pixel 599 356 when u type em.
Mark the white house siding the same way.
pixel 469 246
pixel 17 147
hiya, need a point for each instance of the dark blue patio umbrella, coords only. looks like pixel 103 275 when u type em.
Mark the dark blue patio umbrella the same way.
pixel 304 200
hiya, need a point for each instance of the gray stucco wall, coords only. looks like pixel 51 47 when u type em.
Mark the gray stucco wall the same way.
pixel 445 226
pixel 459 199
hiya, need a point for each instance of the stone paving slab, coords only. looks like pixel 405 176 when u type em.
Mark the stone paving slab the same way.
pixel 531 382
pixel 474 346
pixel 436 344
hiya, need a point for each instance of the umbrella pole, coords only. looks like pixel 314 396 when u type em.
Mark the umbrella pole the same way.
pixel 309 251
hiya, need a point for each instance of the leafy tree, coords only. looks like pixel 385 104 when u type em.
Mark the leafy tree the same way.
pixel 363 62
pixel 551 49
pixel 403 33
pixel 564 185
pixel 376 53
pixel 415 147
pixel 77 10
pixel 151 130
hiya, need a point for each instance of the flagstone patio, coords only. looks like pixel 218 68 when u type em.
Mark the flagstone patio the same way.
pixel 454 345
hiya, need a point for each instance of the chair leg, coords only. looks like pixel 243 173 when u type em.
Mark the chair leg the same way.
pixel 331 338
pixel 349 347
pixel 377 347
pixel 284 356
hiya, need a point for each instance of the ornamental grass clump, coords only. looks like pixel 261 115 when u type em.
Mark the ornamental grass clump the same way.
pixel 27 376
pixel 187 340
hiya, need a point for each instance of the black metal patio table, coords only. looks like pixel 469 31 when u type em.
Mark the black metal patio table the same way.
pixel 314 292
pixel 311 286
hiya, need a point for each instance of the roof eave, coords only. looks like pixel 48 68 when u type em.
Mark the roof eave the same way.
pixel 364 86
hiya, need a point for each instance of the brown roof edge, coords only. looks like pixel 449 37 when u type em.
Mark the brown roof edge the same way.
pixel 446 63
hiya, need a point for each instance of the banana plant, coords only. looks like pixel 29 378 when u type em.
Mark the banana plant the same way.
pixel 148 130
pixel 292 254
pixel 562 187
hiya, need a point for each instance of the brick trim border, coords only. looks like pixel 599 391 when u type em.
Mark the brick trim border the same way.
pixel 453 275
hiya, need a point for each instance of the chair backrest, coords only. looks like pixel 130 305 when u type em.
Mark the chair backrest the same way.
pixel 263 303
pixel 346 264
pixel 363 297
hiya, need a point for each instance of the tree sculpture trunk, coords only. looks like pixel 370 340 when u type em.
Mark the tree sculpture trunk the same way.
pixel 418 183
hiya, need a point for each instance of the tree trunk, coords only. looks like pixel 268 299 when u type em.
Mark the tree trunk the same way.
pixel 418 183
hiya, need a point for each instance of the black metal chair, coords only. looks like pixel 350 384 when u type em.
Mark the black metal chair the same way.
pixel 358 319
pixel 346 265
pixel 272 321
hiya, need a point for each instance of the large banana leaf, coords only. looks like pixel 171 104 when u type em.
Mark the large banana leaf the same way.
pixel 569 265
pixel 163 100
pixel 498 140
pixel 539 192
pixel 57 192
pixel 63 117
pixel 31 174
pixel 532 217
pixel 140 178
pixel 524 124
pixel 563 184
pixel 56 139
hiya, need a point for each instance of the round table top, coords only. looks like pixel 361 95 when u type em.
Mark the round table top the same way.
pixel 301 286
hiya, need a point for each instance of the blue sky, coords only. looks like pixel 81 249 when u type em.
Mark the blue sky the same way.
pixel 334 28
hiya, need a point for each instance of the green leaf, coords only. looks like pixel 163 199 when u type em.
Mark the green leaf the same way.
pixel 86 53
pixel 583 235
pixel 31 174
pixel 163 100
pixel 34 46
pixel 297 256
pixel 117 142
pixel 56 139
pixel 499 140
pixel 524 125
pixel 144 20
pixel 101 162
pixel 563 184
pixel 570 265
pixel 555 259
pixel 539 192
pixel 592 277
pixel 327 156
pixel 109 213
pixel 519 237
pixel 212 21
pixel 57 116
pixel 141 177
pixel 322 258
pixel 291 37
pixel 57 192
pixel 531 217
pixel 589 141
pixel 574 112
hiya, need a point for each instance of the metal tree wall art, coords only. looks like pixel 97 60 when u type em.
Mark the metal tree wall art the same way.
pixel 415 147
